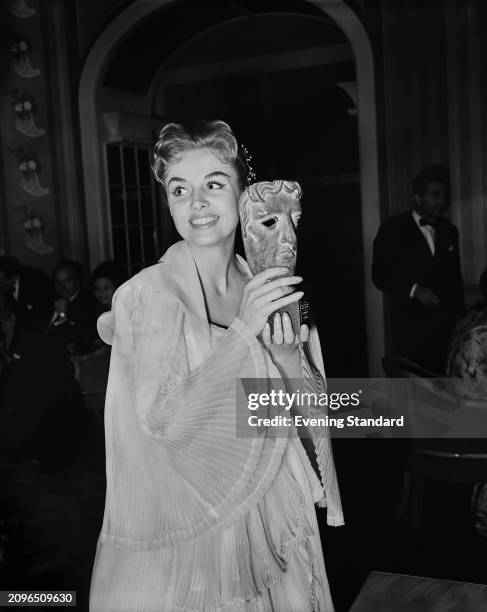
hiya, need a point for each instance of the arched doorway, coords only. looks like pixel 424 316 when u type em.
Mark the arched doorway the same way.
pixel 94 163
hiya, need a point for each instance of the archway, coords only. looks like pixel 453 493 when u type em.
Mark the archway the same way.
pixel 93 161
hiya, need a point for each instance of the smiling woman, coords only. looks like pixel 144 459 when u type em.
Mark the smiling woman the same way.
pixel 202 193
pixel 197 517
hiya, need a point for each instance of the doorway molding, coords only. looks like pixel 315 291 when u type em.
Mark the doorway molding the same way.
pixel 93 158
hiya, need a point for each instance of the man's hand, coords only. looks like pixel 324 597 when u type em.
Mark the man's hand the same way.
pixel 426 296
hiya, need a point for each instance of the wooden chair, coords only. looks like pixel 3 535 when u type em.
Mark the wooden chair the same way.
pixel 439 459
pixel 400 367
pixel 91 372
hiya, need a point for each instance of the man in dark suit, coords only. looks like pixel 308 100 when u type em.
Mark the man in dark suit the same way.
pixel 28 294
pixel 75 310
pixel 37 383
pixel 41 409
pixel 416 263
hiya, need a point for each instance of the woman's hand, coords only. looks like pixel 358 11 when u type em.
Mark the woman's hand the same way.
pixel 283 334
pixel 264 294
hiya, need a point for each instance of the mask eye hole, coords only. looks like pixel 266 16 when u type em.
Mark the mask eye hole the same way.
pixel 269 222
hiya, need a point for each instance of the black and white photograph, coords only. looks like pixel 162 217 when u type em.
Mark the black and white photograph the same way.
pixel 243 305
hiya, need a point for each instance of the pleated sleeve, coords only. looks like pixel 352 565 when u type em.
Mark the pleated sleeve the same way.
pixel 176 465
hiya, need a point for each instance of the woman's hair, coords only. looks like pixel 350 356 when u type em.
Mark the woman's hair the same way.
pixel 110 270
pixel 175 139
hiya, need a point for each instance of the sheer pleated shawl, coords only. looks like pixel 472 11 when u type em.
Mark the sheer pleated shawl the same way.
pixel 175 467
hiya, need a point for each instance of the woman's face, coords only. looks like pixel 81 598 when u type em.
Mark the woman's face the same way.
pixel 203 193
pixel 104 290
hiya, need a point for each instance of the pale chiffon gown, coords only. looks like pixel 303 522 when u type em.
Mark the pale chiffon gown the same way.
pixel 273 552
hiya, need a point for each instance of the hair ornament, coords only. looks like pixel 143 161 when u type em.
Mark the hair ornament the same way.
pixel 251 176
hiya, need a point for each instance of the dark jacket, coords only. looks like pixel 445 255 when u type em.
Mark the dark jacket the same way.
pixel 402 258
pixel 78 329
pixel 32 308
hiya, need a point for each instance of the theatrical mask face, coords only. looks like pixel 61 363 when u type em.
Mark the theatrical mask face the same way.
pixel 270 232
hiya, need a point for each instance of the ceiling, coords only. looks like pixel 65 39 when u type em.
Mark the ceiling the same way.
pixel 189 32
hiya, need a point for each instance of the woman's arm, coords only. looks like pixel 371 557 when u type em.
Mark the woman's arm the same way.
pixel 283 346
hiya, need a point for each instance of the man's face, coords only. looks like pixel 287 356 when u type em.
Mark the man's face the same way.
pixel 271 236
pixel 66 283
pixel 432 203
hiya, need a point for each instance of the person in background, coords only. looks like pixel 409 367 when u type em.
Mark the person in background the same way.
pixel 27 294
pixel 416 263
pixel 467 359
pixel 40 401
pixel 105 279
pixel 467 369
pixel 75 309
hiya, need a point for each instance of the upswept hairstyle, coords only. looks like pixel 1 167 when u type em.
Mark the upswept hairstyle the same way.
pixel 260 192
pixel 175 139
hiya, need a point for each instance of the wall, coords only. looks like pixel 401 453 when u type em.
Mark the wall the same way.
pixel 43 210
pixel 29 212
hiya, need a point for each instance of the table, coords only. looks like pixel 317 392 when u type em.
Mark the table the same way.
pixel 384 592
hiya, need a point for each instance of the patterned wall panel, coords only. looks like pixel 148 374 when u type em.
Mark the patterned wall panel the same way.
pixel 29 212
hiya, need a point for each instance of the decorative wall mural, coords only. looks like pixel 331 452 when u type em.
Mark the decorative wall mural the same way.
pixel 25 107
pixel 20 63
pixel 30 167
pixel 20 9
pixel 34 227
pixel 34 234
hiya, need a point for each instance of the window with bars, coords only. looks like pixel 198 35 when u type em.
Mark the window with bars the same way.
pixel 134 207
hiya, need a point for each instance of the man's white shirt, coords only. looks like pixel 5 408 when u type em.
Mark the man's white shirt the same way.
pixel 429 233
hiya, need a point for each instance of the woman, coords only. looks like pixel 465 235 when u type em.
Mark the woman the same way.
pixel 105 279
pixel 198 518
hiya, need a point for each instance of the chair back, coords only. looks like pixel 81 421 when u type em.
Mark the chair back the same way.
pixel 396 366
pixel 431 406
pixel 91 370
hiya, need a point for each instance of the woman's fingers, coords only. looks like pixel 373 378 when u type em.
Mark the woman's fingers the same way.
pixel 287 329
pixel 304 335
pixel 276 285
pixel 277 336
pixel 272 294
pixel 268 275
pixel 287 299
pixel 265 294
pixel 283 332
pixel 266 334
